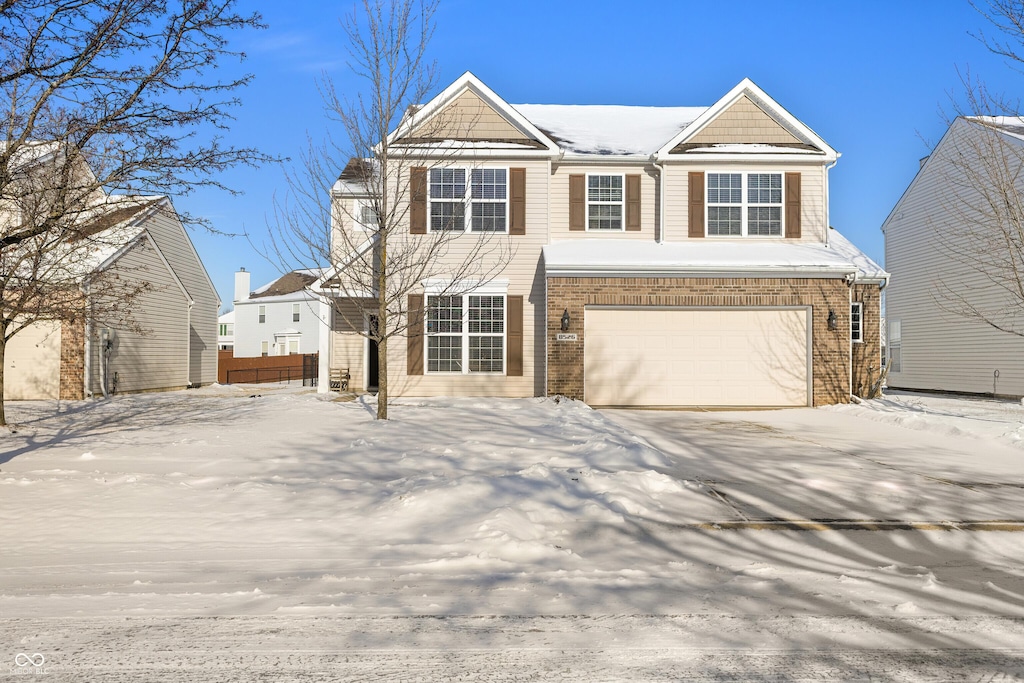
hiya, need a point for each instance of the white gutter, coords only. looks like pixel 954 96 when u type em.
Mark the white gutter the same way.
pixel 323 382
pixel 87 345
pixel 654 270
pixel 661 201
pixel 188 346
pixel 828 218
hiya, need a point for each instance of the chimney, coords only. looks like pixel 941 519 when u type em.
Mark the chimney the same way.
pixel 242 285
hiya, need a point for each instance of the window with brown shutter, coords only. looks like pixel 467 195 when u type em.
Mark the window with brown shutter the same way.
pixel 414 332
pixel 632 202
pixel 577 202
pixel 517 205
pixel 418 201
pixel 696 218
pixel 514 336
pixel 793 205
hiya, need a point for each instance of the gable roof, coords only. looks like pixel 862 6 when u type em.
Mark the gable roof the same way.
pixel 806 139
pixel 289 283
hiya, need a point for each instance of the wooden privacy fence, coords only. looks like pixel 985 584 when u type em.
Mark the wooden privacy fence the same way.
pixel 296 367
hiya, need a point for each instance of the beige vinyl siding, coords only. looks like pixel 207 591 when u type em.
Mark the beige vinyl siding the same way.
pixel 812 195
pixel 940 349
pixel 32 363
pixel 174 243
pixel 348 346
pixel 157 358
pixel 560 202
pixel 519 258
pixel 469 118
pixel 744 122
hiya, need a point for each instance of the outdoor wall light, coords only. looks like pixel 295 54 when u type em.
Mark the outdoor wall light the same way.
pixel 565 320
pixel 833 321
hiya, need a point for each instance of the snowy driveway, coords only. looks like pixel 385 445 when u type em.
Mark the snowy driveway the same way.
pixel 832 468
pixel 259 533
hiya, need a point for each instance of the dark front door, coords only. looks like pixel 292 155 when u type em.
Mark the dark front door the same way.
pixel 372 358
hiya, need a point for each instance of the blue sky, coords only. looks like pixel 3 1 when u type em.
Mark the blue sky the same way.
pixel 872 78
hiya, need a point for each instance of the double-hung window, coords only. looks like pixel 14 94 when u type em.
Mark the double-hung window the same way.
pixel 479 205
pixel 604 202
pixel 261 313
pixel 857 322
pixel 466 333
pixel 895 344
pixel 295 312
pixel 744 204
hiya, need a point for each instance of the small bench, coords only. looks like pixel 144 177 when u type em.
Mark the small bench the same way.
pixel 339 379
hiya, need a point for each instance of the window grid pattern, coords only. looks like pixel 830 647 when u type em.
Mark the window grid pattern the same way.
pixel 484 200
pixel 604 202
pixel 728 213
pixel 262 313
pixel 295 313
pixel 475 342
pixel 857 322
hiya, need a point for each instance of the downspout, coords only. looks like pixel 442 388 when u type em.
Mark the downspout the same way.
pixel 851 282
pixel 324 341
pixel 87 345
pixel 188 347
pixel 547 345
pixel 828 201
pixel 661 201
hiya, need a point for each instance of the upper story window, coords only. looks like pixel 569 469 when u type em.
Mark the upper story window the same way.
pixel 262 313
pixel 226 329
pixel 295 313
pixel 744 204
pixel 485 194
pixel 466 333
pixel 366 216
pixel 604 202
pixel 857 322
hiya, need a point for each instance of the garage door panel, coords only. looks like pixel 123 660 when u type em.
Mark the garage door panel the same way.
pixel 728 357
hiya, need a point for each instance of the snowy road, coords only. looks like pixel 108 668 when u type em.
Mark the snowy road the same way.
pixel 208 535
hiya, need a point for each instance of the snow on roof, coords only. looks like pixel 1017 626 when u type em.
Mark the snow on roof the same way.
pixel 609 129
pixel 228 317
pixel 748 148
pixel 1012 126
pixel 710 256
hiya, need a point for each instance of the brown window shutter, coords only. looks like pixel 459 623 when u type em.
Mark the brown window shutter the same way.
pixel 514 335
pixel 696 204
pixel 577 202
pixel 418 201
pixel 414 333
pixel 793 205
pixel 517 207
pixel 632 202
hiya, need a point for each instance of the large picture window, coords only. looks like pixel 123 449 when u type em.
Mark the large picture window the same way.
pixel 466 333
pixel 744 204
pixel 604 202
pixel 479 205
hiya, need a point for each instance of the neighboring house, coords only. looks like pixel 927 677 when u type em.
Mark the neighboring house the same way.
pixel 660 256
pixel 278 319
pixel 226 331
pixel 174 346
pixel 953 263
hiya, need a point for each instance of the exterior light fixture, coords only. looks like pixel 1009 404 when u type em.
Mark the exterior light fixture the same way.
pixel 565 320
pixel 833 322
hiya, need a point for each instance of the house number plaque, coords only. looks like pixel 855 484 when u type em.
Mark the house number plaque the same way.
pixel 566 336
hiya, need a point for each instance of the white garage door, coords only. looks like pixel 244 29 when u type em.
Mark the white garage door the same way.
pixel 709 357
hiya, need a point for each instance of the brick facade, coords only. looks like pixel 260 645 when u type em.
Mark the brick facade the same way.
pixel 867 356
pixel 72 360
pixel 831 349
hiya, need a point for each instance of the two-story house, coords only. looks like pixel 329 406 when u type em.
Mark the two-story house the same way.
pixel 279 318
pixel 658 256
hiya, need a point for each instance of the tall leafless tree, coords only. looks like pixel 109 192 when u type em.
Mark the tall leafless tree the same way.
pixel 366 244
pixel 103 99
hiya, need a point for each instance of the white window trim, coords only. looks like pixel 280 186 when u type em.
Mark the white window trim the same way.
pixel 467 199
pixel 744 204
pixel 261 314
pixel 859 338
pixel 465 334
pixel 587 203
pixel 296 313
pixel 358 219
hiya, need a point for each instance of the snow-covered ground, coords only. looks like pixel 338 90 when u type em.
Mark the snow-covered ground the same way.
pixel 229 533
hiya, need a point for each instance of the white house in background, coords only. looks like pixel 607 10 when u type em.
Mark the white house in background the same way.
pixel 226 331
pixel 278 319
pixel 930 346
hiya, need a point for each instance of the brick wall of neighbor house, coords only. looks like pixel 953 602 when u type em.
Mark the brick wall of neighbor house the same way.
pixel 830 349
pixel 72 361
pixel 867 357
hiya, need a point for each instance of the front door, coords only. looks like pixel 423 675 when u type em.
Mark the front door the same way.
pixel 372 357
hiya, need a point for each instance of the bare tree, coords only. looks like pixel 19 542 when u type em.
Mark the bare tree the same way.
pixel 103 99
pixel 348 206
